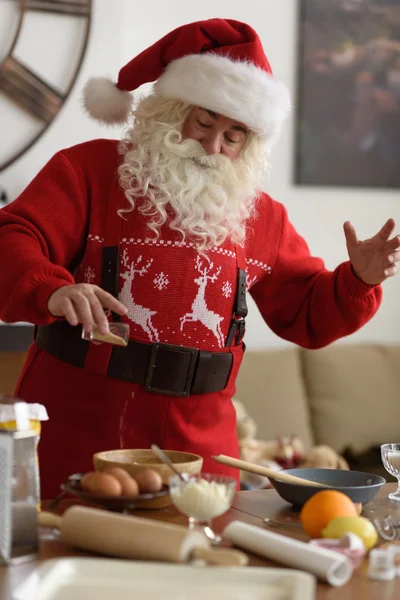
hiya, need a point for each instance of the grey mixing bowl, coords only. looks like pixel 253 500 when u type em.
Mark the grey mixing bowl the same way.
pixel 360 487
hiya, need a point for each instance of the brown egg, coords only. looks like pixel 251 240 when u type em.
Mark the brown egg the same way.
pixel 104 484
pixel 130 487
pixel 149 481
pixel 118 473
pixel 128 483
pixel 85 480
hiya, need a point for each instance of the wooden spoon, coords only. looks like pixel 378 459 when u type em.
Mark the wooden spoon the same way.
pixel 265 472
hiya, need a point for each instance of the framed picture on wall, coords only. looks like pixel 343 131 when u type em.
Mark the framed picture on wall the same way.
pixel 348 107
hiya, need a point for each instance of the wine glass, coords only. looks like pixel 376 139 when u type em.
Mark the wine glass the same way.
pixel 201 498
pixel 391 461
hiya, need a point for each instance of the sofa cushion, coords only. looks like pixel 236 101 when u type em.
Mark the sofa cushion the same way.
pixel 270 385
pixel 354 394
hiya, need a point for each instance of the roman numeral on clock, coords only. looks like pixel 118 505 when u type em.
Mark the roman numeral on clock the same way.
pixel 29 91
pixel 67 7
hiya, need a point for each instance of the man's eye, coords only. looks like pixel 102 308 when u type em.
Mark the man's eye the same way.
pixel 230 140
pixel 203 124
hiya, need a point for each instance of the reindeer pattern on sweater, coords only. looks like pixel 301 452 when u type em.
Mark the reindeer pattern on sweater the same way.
pixel 173 294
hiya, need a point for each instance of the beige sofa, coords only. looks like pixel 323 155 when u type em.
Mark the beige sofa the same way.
pixel 345 395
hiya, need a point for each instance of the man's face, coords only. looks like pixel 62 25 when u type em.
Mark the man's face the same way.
pixel 216 133
pixel 203 167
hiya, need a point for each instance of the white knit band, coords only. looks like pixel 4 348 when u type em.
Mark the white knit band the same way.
pixel 238 90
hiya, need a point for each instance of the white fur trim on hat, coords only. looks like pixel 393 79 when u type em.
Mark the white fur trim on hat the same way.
pixel 105 102
pixel 236 89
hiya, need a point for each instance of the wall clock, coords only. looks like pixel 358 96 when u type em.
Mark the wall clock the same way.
pixel 42 46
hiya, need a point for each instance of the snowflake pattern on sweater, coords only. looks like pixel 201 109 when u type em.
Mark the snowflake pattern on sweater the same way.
pixel 173 294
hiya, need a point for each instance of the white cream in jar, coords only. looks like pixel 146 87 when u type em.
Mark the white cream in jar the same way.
pixel 201 499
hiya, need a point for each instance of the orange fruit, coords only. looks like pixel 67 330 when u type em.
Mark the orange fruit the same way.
pixel 322 507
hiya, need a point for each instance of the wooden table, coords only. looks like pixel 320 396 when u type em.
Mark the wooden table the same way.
pixel 249 507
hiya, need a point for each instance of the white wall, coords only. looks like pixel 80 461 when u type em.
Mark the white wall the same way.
pixel 317 213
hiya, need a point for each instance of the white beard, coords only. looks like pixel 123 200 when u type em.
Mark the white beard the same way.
pixel 207 199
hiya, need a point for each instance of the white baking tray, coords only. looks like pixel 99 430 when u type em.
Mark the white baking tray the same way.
pixel 113 579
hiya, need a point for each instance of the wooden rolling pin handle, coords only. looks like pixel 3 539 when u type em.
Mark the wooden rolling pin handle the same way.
pixel 265 472
pixel 221 556
pixel 214 556
pixel 48 519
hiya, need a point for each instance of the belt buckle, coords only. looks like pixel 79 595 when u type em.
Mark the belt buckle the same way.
pixel 185 391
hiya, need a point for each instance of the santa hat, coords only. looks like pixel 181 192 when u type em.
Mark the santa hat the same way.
pixel 218 64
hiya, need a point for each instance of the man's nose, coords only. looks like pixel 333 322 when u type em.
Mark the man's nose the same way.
pixel 212 143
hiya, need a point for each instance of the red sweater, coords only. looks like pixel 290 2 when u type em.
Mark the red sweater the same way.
pixel 45 232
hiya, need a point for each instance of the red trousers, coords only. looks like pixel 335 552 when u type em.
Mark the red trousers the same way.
pixel 89 413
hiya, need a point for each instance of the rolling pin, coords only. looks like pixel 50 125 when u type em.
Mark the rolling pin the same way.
pixel 126 536
pixel 243 465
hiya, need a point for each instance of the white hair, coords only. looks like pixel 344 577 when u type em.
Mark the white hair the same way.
pixel 211 197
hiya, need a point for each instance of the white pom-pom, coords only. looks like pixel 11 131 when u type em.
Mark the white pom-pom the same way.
pixel 105 102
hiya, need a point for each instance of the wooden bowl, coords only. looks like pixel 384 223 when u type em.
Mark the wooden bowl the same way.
pixel 135 461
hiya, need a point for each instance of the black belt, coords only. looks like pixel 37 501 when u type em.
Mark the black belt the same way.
pixel 160 368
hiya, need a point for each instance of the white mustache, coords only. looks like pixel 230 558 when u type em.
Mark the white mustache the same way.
pixel 211 162
pixel 192 150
